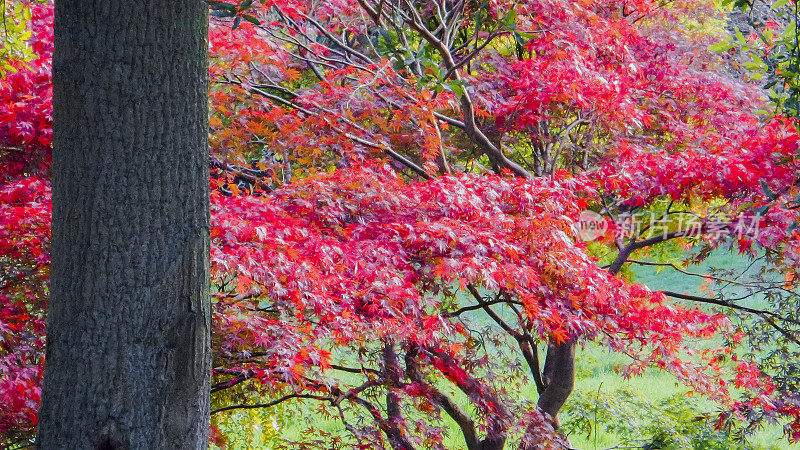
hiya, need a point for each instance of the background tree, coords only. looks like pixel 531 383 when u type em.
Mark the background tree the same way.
pixel 127 355
pixel 26 92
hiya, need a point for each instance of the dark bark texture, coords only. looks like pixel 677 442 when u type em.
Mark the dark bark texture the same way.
pixel 128 341
pixel 558 376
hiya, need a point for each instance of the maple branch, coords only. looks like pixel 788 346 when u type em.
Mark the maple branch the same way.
pixel 468 58
pixel 395 435
pixel 495 154
pixel 482 302
pixel 464 309
pixel 395 155
pixel 272 403
pixel 786 333
pixel 374 13
pixel 483 396
pixel 362 370
pixel 255 89
pixel 686 272
pixel 441 159
pixel 530 350
pixel 531 354
pixel 556 382
pixel 732 305
pixel 558 376
pixel 464 421
pixel 634 245
pixel 331 49
pixel 524 340
pixel 356 390
pixel 449 120
pixel 663 216
pixel 768 316
pixel 337 41
pixel 346 424
pixel 327 62
pixel 565 134
pixel 239 376
pixel 392 374
pixel 453 18
pixel 642 16
pixel 442 117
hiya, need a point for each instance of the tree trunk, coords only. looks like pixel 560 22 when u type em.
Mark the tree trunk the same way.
pixel 558 376
pixel 128 339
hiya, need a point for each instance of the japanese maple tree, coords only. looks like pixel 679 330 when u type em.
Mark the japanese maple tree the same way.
pixel 647 119
pixel 644 117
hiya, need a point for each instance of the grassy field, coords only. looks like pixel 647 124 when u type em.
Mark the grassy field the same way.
pixel 606 411
pixel 597 379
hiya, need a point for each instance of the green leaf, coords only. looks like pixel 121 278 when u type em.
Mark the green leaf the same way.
pixel 779 4
pixel 511 19
pixel 251 19
pixel 456 87
pixel 788 33
pixel 740 36
pixel 221 6
pixel 721 47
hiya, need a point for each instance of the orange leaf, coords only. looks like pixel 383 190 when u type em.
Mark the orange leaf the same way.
pixel 243 283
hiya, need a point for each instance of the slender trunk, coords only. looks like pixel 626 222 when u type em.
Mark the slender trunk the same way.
pixel 558 379
pixel 558 376
pixel 128 339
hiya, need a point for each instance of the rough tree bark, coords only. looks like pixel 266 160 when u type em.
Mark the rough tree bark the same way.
pixel 128 341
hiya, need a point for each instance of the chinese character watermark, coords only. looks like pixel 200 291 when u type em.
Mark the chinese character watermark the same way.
pixel 592 225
